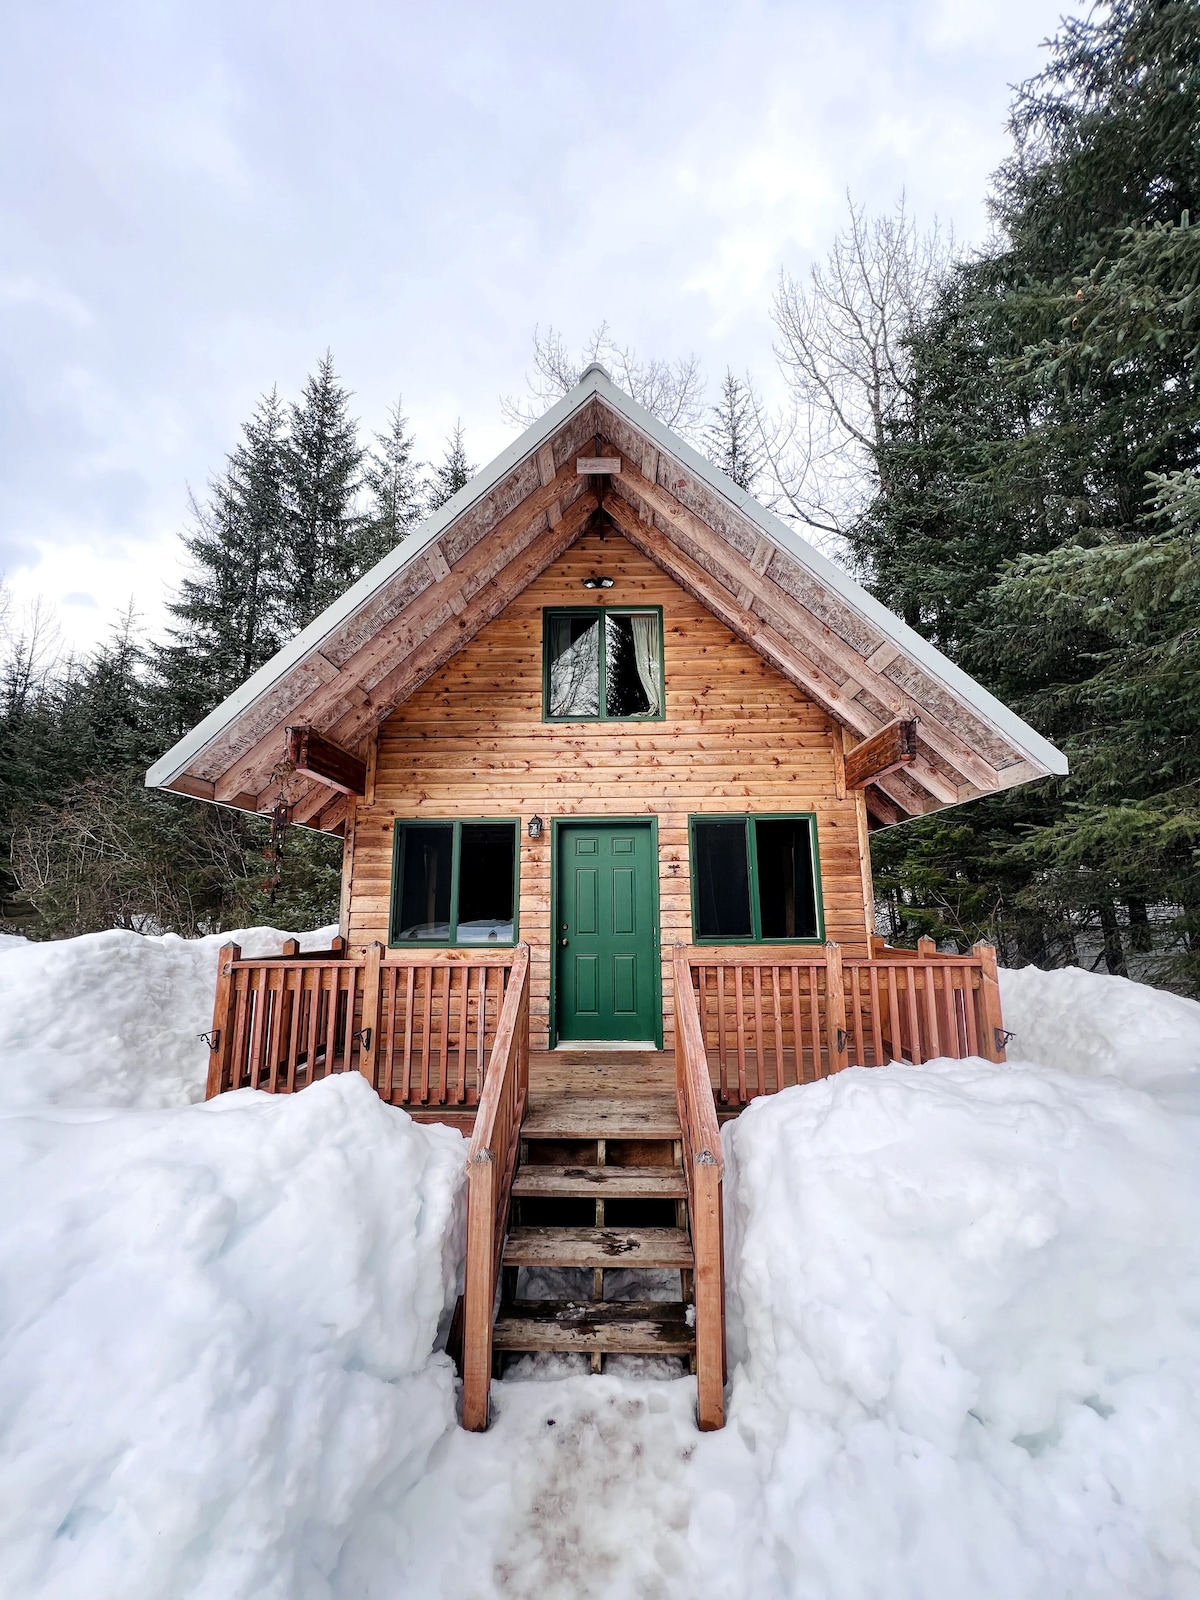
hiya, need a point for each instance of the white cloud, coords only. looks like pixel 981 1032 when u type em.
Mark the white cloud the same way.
pixel 208 198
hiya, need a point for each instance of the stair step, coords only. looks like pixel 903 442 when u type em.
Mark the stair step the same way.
pixel 597 1247
pixel 571 1116
pixel 635 1327
pixel 603 1183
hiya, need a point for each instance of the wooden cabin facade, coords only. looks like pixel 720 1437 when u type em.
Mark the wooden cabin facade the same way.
pixel 604 741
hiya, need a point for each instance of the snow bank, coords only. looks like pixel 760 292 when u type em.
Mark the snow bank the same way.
pixel 114 1018
pixel 1090 1023
pixel 963 1317
pixel 216 1328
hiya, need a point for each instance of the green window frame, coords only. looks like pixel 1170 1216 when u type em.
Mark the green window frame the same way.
pixel 748 821
pixel 404 825
pixel 603 613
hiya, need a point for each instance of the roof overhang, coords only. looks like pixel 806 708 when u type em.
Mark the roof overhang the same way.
pixel 350 668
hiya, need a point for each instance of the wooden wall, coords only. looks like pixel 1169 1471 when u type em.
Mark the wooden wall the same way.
pixel 737 737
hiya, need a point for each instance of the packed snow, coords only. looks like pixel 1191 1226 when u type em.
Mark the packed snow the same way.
pixel 964 1322
pixel 114 1019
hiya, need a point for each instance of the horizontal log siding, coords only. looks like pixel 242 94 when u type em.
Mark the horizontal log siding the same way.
pixel 737 737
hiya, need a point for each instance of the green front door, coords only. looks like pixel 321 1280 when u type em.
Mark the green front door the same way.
pixel 606 932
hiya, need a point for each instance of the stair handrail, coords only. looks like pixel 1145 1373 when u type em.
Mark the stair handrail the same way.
pixel 491 1163
pixel 704 1168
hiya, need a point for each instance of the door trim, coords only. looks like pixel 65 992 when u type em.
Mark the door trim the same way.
pixel 643 821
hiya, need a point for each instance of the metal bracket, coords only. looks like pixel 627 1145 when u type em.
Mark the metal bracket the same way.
pixel 1003 1038
pixel 212 1040
pixel 842 1038
pixel 364 1038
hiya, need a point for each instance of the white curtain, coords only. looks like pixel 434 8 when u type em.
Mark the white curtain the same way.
pixel 575 672
pixel 645 654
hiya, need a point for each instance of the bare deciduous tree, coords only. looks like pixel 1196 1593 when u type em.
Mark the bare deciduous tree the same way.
pixel 30 652
pixel 672 390
pixel 841 348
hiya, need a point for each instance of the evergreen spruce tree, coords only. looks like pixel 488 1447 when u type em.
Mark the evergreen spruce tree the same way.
pixel 392 478
pixel 453 472
pixel 1038 521
pixel 322 464
pixel 732 439
pixel 228 610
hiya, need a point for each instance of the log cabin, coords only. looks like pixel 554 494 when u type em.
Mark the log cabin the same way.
pixel 604 741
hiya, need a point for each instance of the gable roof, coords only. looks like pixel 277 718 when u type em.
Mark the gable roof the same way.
pixel 365 654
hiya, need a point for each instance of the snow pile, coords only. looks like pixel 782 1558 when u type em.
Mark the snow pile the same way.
pixel 964 1307
pixel 215 1339
pixel 114 1018
pixel 963 1315
pixel 1090 1023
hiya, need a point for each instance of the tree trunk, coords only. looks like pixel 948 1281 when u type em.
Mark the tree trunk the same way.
pixel 1140 936
pixel 1114 950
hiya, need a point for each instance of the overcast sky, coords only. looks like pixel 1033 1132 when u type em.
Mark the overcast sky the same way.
pixel 197 197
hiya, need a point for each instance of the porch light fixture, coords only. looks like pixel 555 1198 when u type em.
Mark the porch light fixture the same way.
pixel 598 583
pixel 534 827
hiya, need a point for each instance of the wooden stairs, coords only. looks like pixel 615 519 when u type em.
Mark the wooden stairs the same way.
pixel 599 1188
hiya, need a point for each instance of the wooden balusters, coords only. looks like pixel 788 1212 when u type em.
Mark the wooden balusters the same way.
pixel 768 1021
pixel 418 1028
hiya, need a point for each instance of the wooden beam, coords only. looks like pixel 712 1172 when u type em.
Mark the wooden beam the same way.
pixel 892 747
pixel 314 756
pixel 593 466
pixel 196 788
pixel 882 809
pixel 308 805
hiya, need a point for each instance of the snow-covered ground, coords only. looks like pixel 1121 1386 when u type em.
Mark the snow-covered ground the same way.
pixel 964 1308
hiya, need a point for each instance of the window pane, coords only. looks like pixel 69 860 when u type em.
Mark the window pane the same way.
pixel 787 901
pixel 631 666
pixel 574 666
pixel 485 883
pixel 425 854
pixel 722 880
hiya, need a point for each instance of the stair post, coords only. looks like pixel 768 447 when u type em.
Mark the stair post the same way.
pixel 992 1037
pixel 835 1008
pixel 368 1037
pixel 479 1290
pixel 220 1039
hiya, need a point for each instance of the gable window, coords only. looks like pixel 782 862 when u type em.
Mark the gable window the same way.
pixel 454 883
pixel 755 879
pixel 603 664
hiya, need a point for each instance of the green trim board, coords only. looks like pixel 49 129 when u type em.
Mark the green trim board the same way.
pixel 602 612
pixel 653 1011
pixel 747 821
pixel 453 905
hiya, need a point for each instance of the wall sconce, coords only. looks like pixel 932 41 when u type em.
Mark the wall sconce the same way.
pixel 534 827
pixel 598 583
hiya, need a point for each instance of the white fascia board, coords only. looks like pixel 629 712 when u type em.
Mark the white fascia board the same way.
pixel 1039 750
pixel 168 767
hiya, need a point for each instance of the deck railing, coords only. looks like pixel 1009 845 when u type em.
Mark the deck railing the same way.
pixel 704 1167
pixel 421 1028
pixel 490 1167
pixel 769 1020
